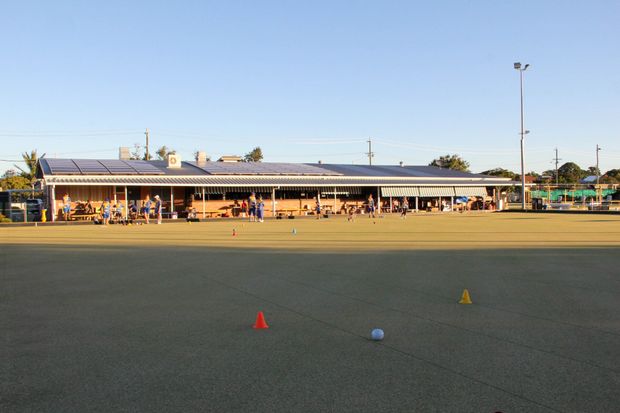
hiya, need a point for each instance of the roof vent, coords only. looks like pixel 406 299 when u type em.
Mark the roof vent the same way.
pixel 230 158
pixel 174 161
pixel 201 157
pixel 320 162
pixel 401 163
pixel 123 153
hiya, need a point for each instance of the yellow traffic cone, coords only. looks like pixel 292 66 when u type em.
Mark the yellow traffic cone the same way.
pixel 465 299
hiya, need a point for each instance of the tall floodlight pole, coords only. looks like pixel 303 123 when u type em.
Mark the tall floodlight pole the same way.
pixel 518 67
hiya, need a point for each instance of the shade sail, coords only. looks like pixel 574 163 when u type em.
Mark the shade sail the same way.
pixel 470 191
pixel 394 191
pixel 436 191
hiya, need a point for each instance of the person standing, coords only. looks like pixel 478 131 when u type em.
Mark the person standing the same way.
pixel 260 209
pixel 371 207
pixel 158 209
pixel 252 207
pixel 147 208
pixel 66 209
pixel 244 209
pixel 404 208
pixel 106 211
pixel 318 207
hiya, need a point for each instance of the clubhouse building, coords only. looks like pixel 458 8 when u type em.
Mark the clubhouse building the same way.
pixel 216 189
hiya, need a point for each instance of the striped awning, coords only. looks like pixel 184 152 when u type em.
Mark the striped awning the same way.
pixel 470 191
pixel 436 191
pixel 399 191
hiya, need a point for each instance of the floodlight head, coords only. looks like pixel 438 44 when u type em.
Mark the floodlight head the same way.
pixel 517 65
pixel 526 132
pixel 526 66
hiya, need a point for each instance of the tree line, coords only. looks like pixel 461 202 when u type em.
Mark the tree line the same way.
pixel 568 173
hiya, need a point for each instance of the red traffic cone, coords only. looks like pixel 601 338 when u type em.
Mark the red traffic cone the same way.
pixel 234 233
pixel 260 321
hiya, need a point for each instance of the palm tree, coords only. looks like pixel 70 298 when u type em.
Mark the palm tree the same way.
pixel 31 160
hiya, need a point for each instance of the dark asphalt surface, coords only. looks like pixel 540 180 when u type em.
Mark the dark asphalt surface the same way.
pixel 169 330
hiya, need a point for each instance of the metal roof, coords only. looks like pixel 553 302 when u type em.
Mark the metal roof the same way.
pixel 261 168
pixel 267 181
pixel 418 171
pixel 137 173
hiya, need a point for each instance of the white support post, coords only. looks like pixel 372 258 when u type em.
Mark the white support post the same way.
pixel 379 200
pixel 391 205
pixel 273 202
pixel 171 202
pixel 53 203
pixel 126 204
pixel 204 206
pixel 335 200
pixel 416 204
pixel 451 203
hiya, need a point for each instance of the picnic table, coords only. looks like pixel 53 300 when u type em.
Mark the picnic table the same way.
pixel 76 216
pixel 289 211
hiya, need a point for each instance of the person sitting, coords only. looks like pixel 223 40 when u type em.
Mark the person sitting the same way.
pixel 133 211
pixel 89 208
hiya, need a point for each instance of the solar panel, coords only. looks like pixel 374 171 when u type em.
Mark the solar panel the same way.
pixel 91 167
pixel 145 168
pixel 260 168
pixel 118 167
pixel 62 167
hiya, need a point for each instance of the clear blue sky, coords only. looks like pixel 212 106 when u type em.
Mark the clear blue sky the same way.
pixel 310 80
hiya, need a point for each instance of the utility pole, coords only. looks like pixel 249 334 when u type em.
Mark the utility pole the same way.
pixel 557 176
pixel 370 153
pixel 598 175
pixel 147 156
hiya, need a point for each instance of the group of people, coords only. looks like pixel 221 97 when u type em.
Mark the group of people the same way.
pixel 154 206
pixel 255 208
pixel 109 210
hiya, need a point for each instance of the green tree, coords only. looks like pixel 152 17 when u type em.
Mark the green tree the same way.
pixel 255 155
pixel 12 180
pixel 593 171
pixel 571 173
pixel 505 173
pixel 31 160
pixel 454 162
pixel 164 151
pixel 611 177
